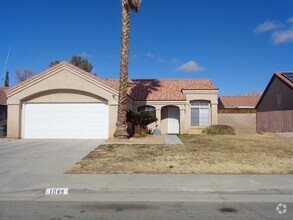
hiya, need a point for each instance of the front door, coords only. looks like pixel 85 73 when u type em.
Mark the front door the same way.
pixel 173 120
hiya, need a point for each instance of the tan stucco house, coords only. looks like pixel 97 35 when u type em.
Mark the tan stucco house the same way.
pixel 65 102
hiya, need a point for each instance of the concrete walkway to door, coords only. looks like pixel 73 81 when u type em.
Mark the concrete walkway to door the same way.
pixel 172 139
pixel 27 164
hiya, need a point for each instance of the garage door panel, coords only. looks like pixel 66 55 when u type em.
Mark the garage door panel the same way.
pixel 66 121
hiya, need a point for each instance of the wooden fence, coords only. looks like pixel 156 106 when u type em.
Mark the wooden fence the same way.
pixel 274 121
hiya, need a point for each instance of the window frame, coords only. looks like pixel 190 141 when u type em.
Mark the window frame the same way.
pixel 147 108
pixel 200 104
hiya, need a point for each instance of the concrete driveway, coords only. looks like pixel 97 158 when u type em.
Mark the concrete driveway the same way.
pixel 32 164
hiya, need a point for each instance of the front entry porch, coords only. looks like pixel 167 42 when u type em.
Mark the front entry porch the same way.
pixel 170 120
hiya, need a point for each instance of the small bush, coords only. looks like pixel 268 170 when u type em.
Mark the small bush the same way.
pixel 219 130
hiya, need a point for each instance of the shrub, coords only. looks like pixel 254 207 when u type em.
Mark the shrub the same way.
pixel 219 130
pixel 140 120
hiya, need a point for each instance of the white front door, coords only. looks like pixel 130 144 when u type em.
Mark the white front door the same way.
pixel 173 120
pixel 65 120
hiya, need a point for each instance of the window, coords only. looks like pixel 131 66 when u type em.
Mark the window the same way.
pixel 200 113
pixel 147 109
pixel 200 103
pixel 2 115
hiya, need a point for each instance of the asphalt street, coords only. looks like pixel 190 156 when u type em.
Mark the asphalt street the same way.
pixel 54 210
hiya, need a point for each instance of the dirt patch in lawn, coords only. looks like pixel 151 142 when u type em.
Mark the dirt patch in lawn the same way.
pixel 237 154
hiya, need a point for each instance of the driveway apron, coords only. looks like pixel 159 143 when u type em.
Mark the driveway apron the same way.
pixel 29 164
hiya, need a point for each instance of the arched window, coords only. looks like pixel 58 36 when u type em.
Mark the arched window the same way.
pixel 147 108
pixel 200 113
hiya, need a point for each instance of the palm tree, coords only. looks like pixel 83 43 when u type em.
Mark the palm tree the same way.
pixel 121 130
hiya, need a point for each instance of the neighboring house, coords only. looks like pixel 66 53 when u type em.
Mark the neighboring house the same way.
pixel 238 112
pixel 67 102
pixel 3 106
pixel 275 107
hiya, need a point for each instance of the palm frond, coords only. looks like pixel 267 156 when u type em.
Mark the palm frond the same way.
pixel 134 5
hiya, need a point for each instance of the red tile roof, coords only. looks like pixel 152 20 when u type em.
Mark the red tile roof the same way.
pixel 143 89
pixel 249 101
pixel 161 89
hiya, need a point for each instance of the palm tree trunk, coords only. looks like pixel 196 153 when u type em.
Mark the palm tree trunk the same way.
pixel 121 130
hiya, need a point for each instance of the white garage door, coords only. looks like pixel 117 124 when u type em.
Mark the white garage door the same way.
pixel 65 120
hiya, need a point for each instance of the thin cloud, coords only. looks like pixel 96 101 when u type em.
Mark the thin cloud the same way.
pixel 267 26
pixel 290 20
pixel 279 37
pixel 280 33
pixel 134 56
pixel 161 60
pixel 150 55
pixel 175 60
pixel 113 56
pixel 85 55
pixel 190 66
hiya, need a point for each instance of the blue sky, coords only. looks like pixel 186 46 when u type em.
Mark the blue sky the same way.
pixel 238 44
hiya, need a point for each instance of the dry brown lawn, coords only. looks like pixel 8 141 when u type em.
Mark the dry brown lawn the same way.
pixel 219 154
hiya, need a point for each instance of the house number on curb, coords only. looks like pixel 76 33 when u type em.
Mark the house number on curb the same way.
pixel 57 191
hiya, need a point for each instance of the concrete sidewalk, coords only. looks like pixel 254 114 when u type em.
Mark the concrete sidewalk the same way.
pixel 156 188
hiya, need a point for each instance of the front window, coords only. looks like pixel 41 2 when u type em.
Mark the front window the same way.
pixel 200 113
pixel 147 108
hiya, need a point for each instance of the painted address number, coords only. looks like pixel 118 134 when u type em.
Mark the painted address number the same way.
pixel 57 191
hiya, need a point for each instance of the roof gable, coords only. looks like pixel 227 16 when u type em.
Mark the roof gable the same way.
pixel 282 79
pixel 63 66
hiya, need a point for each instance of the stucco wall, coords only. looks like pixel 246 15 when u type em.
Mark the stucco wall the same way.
pixel 64 96
pixel 207 95
pixel 164 122
pixel 59 85
pixel 242 122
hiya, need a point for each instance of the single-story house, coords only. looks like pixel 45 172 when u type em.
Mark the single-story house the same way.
pixel 67 102
pixel 238 112
pixel 275 107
